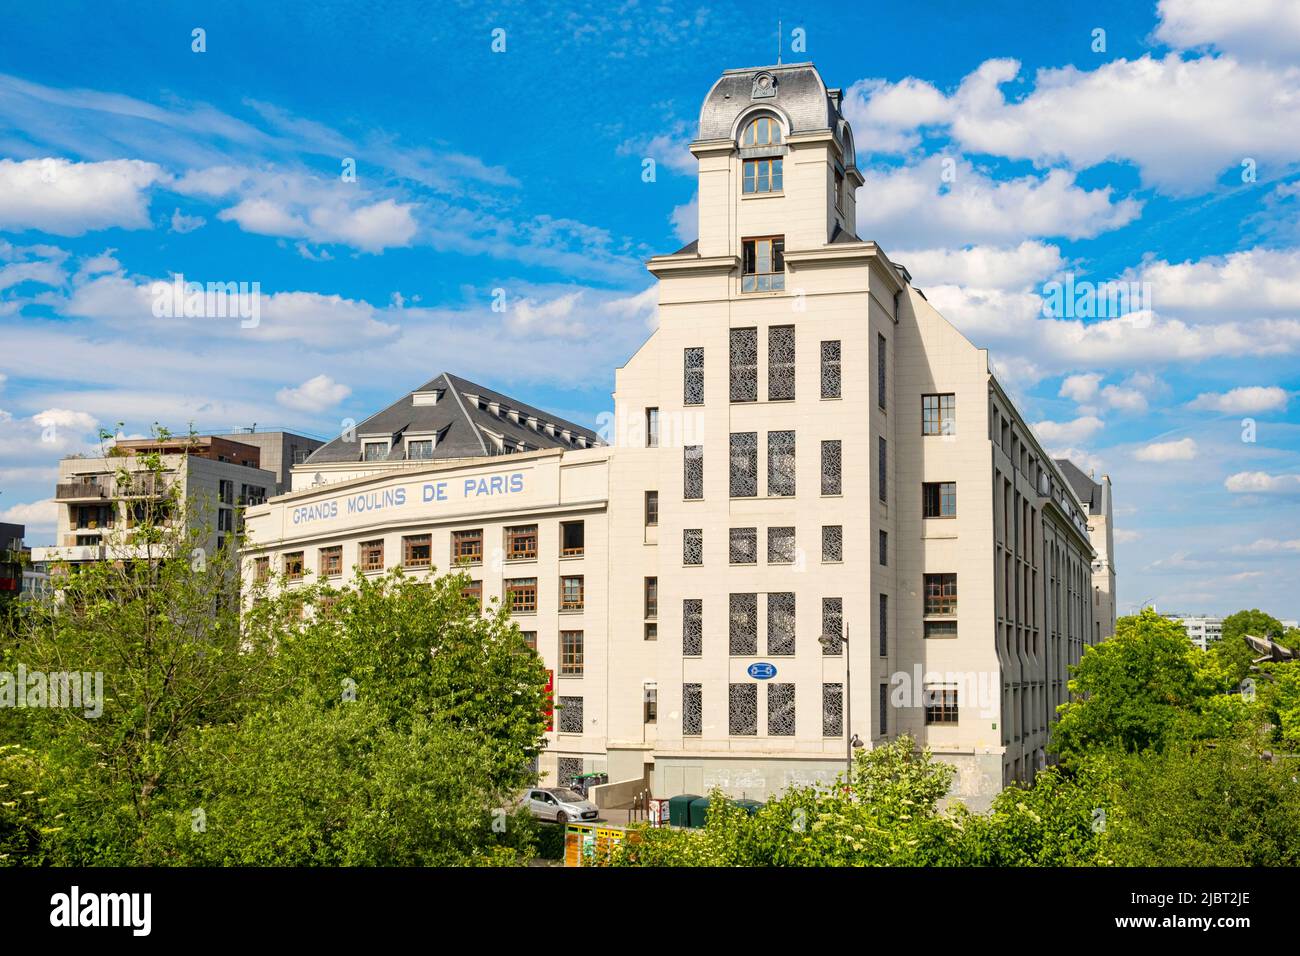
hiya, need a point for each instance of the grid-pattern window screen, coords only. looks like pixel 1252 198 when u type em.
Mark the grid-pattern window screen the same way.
pixel 692 627
pixel 743 357
pixel 693 377
pixel 780 464
pixel 831 369
pixel 780 710
pixel 744 465
pixel 692 710
pixel 571 715
pixel 743 546
pixel 742 710
pixel 832 542
pixel 692 475
pixel 780 545
pixel 693 546
pixel 833 626
pixel 780 623
pixel 831 478
pixel 832 710
pixel 743 625
pixel 780 363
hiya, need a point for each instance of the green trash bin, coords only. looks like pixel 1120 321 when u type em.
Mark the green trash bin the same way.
pixel 699 811
pixel 749 806
pixel 679 809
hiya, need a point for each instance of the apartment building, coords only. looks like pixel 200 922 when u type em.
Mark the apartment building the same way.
pixel 278 451
pixel 1207 629
pixel 101 498
pixel 821 521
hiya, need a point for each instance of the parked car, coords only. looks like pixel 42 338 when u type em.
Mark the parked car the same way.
pixel 559 804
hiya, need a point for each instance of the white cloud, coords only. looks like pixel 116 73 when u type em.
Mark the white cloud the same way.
pixel 1267 546
pixel 1082 458
pixel 885 116
pixel 314 395
pixel 182 223
pixel 1256 29
pixel 1126 535
pixel 1261 482
pixel 1254 283
pixel 1124 398
pixel 686 220
pixel 1078 430
pixel 70 199
pixel 38 516
pixel 1183 449
pixel 1244 400
pixel 1082 387
pixel 1010 268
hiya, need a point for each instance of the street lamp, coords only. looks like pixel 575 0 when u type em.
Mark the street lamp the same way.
pixel 851 740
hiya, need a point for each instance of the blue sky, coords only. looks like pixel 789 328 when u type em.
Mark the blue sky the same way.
pixel 1005 146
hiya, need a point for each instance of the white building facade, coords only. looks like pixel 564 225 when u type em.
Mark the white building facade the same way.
pixel 820 520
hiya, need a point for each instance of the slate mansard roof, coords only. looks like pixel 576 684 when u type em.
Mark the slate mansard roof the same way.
pixel 800 96
pixel 1088 491
pixel 468 420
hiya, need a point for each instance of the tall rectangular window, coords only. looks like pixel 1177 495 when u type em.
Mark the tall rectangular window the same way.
pixel 742 710
pixel 884 547
pixel 692 627
pixel 763 264
pixel 692 546
pixel 882 474
pixel 939 414
pixel 780 545
pixel 833 626
pixel 743 479
pixel 571 715
pixel 884 710
pixel 780 623
pixel 832 710
pixel 743 625
pixel 780 363
pixel 693 376
pixel 762 175
pixel 831 481
pixel 780 710
pixel 692 710
pixel 742 546
pixel 883 627
pixel 692 475
pixel 882 357
pixel 780 464
pixel 832 542
pixel 941 594
pixel 651 509
pixel 331 561
pixel 939 499
pixel 571 647
pixel 652 428
pixel 831 369
pixel 650 697
pixel 744 365
pixel 651 597
pixel 572 596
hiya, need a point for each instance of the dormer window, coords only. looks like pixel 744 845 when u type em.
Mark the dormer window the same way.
pixel 763 131
pixel 374 450
pixel 764 265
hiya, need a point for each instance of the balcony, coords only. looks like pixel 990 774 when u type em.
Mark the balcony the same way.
pixel 74 554
pixel 92 490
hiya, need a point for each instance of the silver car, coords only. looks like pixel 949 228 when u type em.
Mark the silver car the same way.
pixel 559 804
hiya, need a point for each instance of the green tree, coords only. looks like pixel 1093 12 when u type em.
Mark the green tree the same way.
pixel 1231 653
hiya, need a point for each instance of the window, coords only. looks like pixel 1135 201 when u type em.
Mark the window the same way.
pixel 780 710
pixel 571 715
pixel 225 519
pixel 831 369
pixel 940 629
pixel 881 383
pixel 651 509
pixel 884 547
pixel 521 542
pixel 330 561
pixel 474 592
pixel 692 475
pixel 293 565
pixel 743 356
pixel 692 627
pixel 939 414
pixel 521 595
pixel 939 499
pixel 780 363
pixel 743 626
pixel 651 597
pixel 571 596
pixel 693 546
pixel 530 638
pixel 763 175
pixel 743 546
pixel 692 710
pixel 650 694
pixel 651 631
pixel 883 629
pixel 693 377
pixel 571 653
pixel 832 710
pixel 652 428
pixel 940 594
pixel 884 710
pixel 839 189
pixel 573 539
pixel 419 449
pixel 780 464
pixel 467 546
pixel 833 626
pixel 372 555
pixel 226 491
pixel 882 468
pixel 261 569
pixel 742 710
pixel 940 704
pixel 831 484
pixel 762 131
pixel 832 542
pixel 744 465
pixel 780 545
pixel 763 265
pixel 417 551
pixel 780 623
pixel 374 450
